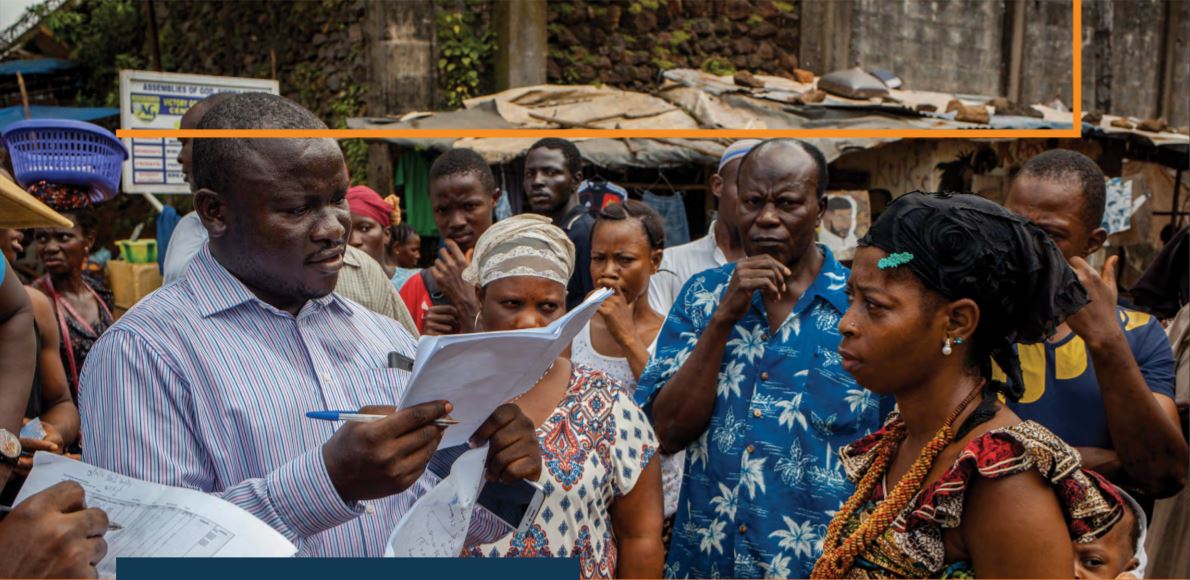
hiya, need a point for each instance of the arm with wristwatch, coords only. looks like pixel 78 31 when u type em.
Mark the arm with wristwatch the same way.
pixel 52 534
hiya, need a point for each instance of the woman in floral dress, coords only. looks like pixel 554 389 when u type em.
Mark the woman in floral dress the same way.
pixel 602 481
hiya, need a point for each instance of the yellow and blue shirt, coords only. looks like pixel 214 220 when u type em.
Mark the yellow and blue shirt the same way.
pixel 1062 391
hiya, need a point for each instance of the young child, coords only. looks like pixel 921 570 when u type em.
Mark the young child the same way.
pixel 1120 552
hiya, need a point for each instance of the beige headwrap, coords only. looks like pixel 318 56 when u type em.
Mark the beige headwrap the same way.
pixel 522 245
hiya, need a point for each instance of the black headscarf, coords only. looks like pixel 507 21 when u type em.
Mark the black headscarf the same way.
pixel 964 246
pixel 1165 286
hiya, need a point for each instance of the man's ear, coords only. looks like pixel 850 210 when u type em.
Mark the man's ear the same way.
pixel 212 210
pixel 496 196
pixel 717 185
pixel 1095 241
pixel 578 178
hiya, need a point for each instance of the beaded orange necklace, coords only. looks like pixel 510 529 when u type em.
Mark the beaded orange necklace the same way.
pixel 839 554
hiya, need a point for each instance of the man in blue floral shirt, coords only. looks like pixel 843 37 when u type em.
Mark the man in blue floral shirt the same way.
pixel 747 379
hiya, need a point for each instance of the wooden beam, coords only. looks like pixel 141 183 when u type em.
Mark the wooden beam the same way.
pixel 1174 12
pixel 24 94
pixel 1016 17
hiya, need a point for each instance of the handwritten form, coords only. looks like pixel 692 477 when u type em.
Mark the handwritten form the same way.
pixel 436 526
pixel 159 520
pixel 479 372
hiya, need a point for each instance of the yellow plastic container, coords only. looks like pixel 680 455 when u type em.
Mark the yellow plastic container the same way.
pixel 138 251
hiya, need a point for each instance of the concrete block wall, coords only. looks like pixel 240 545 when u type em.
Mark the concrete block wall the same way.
pixel 951 45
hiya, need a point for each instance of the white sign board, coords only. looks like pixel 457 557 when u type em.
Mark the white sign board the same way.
pixel 153 100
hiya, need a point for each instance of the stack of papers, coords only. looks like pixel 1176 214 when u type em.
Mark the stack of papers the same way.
pixel 158 520
pixel 479 372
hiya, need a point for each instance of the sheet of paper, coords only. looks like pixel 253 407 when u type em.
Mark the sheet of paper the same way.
pixel 33 430
pixel 479 372
pixel 436 526
pixel 159 520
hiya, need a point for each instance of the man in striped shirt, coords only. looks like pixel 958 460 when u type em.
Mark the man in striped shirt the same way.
pixel 205 383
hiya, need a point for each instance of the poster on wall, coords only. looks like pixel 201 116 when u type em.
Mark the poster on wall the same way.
pixel 848 215
pixel 153 100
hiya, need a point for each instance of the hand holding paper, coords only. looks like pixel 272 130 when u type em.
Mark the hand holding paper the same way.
pixel 479 372
pixel 158 520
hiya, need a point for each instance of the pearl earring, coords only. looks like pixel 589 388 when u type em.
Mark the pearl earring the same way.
pixel 946 348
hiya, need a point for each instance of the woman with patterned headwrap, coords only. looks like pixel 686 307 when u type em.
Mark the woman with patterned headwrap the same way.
pixel 602 482
pixel 82 303
pixel 955 484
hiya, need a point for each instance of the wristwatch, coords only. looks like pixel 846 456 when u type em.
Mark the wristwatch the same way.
pixel 10 448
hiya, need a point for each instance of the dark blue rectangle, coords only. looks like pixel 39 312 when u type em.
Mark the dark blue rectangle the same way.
pixel 345 568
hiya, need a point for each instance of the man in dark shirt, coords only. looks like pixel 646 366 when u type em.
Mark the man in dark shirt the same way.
pixel 553 171
pixel 1104 382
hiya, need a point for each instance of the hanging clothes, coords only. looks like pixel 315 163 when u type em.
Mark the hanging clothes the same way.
pixel 167 220
pixel 673 215
pixel 413 184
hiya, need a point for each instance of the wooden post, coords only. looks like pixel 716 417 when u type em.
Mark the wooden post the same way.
pixel 1174 12
pixel 154 49
pixel 24 95
pixel 1015 46
pixel 1103 56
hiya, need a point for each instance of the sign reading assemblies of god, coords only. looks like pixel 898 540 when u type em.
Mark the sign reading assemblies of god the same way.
pixel 153 100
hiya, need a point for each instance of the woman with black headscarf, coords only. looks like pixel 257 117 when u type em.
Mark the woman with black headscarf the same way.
pixel 955 484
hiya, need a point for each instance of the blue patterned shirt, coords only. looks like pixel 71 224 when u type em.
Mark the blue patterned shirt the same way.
pixel 764 480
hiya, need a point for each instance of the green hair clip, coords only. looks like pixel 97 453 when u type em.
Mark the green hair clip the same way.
pixel 894 260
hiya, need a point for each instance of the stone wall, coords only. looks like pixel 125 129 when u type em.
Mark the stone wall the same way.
pixel 629 43
pixel 319 49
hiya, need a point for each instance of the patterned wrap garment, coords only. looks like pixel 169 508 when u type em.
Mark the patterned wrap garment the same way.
pixel 912 547
pixel 594 447
pixel 763 481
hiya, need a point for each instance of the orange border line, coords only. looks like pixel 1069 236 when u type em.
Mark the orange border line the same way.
pixel 1074 132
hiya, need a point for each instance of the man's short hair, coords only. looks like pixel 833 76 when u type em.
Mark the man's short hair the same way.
pixel 574 159
pixel 214 157
pixel 809 148
pixel 461 162
pixel 1063 165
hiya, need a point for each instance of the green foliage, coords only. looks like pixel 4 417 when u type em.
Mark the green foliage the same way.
pixel 718 66
pixel 784 7
pixel 350 104
pixel 650 4
pixel 635 8
pixel 465 50
pixel 104 36
pixel 755 19
pixel 678 37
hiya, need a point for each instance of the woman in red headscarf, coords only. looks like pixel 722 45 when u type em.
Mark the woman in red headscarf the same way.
pixel 371 217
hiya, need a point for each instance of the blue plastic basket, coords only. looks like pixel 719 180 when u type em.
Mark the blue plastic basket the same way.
pixel 68 153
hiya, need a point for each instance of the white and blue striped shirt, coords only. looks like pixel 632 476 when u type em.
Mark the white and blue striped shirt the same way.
pixel 203 385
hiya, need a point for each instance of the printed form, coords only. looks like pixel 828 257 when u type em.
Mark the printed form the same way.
pixel 159 520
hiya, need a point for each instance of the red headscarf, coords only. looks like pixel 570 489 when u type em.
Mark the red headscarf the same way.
pixel 366 202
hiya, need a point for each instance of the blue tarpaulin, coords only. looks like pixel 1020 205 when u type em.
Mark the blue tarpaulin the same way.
pixel 34 66
pixel 9 115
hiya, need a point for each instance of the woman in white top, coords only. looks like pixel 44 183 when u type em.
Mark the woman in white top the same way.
pixel 626 246
pixel 626 250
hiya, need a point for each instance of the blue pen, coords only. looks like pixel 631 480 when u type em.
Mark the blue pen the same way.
pixel 352 416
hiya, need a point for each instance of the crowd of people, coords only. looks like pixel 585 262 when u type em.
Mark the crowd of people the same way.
pixel 967 397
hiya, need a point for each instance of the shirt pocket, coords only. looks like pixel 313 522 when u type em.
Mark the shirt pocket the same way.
pixel 840 410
